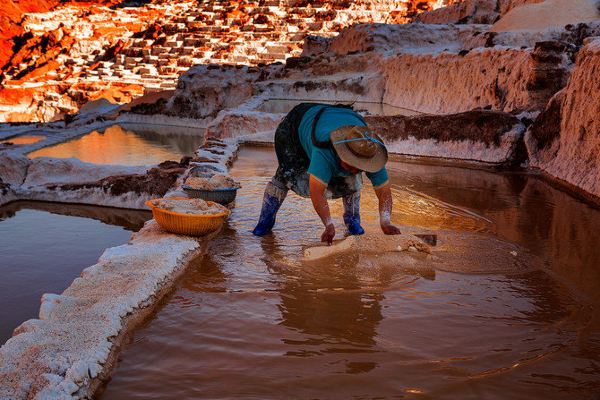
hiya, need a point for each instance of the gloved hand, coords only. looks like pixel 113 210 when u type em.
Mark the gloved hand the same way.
pixel 328 235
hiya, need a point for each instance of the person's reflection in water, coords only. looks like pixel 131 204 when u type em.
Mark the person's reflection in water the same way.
pixel 327 306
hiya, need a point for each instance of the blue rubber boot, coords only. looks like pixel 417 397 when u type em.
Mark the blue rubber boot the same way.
pixel 272 200
pixel 352 214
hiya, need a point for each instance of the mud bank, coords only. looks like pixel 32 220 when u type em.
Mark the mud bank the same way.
pixel 71 349
pixel 485 137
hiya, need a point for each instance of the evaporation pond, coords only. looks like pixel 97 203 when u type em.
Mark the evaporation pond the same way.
pixel 44 246
pixel 253 321
pixel 22 140
pixel 128 145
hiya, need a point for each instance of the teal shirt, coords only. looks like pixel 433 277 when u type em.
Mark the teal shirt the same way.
pixel 324 163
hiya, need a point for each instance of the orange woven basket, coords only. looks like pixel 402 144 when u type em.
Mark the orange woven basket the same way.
pixel 188 224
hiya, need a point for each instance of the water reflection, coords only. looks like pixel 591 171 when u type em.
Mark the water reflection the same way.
pixel 44 246
pixel 329 317
pixel 128 145
pixel 22 140
pixel 524 209
pixel 132 220
pixel 254 321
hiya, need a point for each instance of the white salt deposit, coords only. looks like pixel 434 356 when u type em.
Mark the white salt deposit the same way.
pixel 60 355
pixel 66 353
pixel 189 206
pixel 215 182
pixel 45 170
pixel 466 150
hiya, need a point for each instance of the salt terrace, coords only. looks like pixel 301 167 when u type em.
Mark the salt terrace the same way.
pixel 512 99
pixel 142 49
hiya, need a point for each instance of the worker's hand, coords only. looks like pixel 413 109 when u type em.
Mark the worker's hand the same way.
pixel 390 229
pixel 328 235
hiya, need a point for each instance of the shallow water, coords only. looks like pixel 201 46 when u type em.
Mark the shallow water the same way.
pixel 23 139
pixel 128 145
pixel 252 321
pixel 44 246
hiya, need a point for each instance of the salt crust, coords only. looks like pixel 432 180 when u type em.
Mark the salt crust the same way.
pixel 58 355
pixel 189 206
pixel 458 252
pixel 45 170
pixel 71 347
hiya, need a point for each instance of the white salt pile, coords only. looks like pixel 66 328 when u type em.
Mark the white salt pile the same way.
pixel 189 206
pixel 458 252
pixel 368 243
pixel 216 182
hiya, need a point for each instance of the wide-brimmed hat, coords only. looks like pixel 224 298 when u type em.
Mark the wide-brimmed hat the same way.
pixel 358 147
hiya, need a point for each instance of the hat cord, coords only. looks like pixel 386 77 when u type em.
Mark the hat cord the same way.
pixel 366 137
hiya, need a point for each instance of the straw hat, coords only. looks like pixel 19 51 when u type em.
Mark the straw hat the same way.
pixel 359 148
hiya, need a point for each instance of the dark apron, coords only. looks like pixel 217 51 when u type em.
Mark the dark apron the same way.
pixel 294 162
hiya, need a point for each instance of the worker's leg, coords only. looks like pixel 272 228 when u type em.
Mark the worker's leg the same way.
pixel 293 163
pixel 352 213
pixel 275 193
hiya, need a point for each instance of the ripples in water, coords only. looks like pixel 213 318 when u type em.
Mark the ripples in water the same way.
pixel 251 320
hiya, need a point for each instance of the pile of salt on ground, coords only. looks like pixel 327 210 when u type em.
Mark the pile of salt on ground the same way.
pixel 189 206
pixel 216 182
pixel 549 14
pixel 459 252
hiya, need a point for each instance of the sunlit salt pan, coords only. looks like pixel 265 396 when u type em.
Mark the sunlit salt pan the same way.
pixel 121 146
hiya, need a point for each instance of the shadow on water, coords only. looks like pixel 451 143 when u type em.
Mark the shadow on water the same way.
pixel 254 321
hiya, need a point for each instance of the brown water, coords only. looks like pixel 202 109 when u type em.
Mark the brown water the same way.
pixel 252 321
pixel 127 146
pixel 44 246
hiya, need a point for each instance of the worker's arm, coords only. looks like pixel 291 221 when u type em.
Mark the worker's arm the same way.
pixel 317 195
pixel 384 194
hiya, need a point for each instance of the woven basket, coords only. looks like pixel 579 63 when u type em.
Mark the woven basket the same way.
pixel 187 224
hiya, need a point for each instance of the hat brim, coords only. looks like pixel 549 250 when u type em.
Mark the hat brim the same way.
pixel 373 164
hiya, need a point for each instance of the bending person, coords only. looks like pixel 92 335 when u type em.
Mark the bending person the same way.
pixel 322 151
